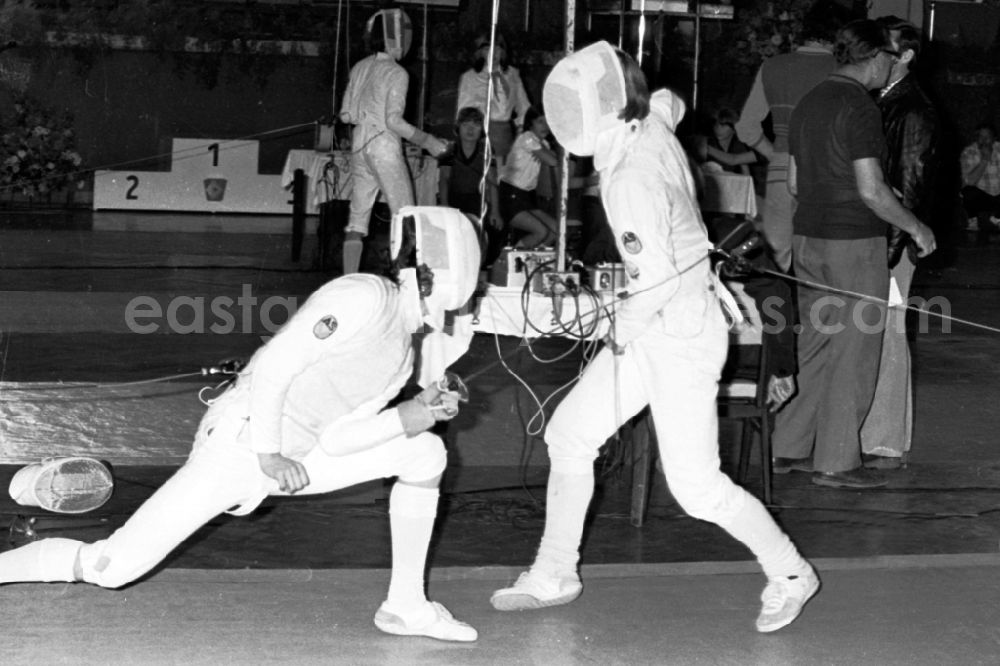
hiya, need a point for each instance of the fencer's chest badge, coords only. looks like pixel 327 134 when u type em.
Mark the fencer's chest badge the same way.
pixel 631 270
pixel 631 243
pixel 325 327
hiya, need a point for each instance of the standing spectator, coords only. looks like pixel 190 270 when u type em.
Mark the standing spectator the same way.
pixel 780 83
pixel 981 180
pixel 911 163
pixel 461 179
pixel 519 179
pixel 509 102
pixel 844 203
pixel 666 347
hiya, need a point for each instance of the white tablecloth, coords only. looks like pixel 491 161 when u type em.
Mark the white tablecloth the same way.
pixel 501 310
pixel 729 193
pixel 328 176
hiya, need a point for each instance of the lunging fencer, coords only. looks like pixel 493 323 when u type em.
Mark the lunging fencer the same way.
pixel 374 103
pixel 666 347
pixel 307 415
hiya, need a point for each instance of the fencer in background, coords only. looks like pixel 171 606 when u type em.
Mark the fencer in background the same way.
pixel 307 415
pixel 374 103
pixel 666 347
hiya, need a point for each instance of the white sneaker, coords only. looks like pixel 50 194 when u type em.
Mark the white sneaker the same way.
pixel 783 599
pixel 535 589
pixel 433 621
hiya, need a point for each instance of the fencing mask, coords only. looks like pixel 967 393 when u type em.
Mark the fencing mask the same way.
pixel 397 31
pixel 63 485
pixel 447 244
pixel 583 96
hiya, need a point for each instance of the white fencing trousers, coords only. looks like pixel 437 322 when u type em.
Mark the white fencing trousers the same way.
pixel 378 166
pixel 220 476
pixel 678 378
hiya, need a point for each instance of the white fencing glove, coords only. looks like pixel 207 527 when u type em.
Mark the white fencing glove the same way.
pixel 426 408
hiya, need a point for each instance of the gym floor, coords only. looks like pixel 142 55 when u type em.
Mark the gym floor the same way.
pixel 909 571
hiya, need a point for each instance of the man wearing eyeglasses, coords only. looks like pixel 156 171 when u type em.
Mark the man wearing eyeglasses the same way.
pixel 911 164
pixel 839 241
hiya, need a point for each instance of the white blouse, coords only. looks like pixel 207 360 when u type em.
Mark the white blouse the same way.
pixel 522 167
pixel 509 95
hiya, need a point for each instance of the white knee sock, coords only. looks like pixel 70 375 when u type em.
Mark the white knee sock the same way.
pixel 352 255
pixel 775 552
pixel 570 489
pixel 45 561
pixel 412 512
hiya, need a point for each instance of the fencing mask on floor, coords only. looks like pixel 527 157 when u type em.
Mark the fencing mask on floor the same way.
pixel 72 484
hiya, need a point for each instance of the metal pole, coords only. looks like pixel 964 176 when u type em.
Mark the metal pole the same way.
pixel 697 53
pixel 347 33
pixel 642 32
pixel 336 61
pixel 423 73
pixel 564 167
pixel 621 24
pixel 298 212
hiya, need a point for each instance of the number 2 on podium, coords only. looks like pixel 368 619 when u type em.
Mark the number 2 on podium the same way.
pixel 130 193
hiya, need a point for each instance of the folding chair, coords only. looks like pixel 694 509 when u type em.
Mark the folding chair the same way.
pixel 743 388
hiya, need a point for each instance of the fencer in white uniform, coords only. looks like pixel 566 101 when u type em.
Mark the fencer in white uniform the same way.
pixel 667 346
pixel 374 103
pixel 307 415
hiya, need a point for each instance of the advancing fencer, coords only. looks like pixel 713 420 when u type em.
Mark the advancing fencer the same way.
pixel 307 415
pixel 374 103
pixel 667 344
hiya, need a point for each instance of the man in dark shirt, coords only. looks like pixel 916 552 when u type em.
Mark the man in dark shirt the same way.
pixel 839 240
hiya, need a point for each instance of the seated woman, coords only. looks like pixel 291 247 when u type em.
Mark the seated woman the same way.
pixel 461 177
pixel 519 178
pixel 724 149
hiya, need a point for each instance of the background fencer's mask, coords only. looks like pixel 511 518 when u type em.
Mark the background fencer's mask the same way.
pixel 447 244
pixel 583 96
pixel 397 31
pixel 73 484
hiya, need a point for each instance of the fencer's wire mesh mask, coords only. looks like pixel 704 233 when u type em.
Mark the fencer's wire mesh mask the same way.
pixel 63 485
pixel 397 31
pixel 446 243
pixel 583 96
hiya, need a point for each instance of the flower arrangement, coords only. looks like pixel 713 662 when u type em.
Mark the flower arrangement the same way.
pixel 767 28
pixel 37 150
